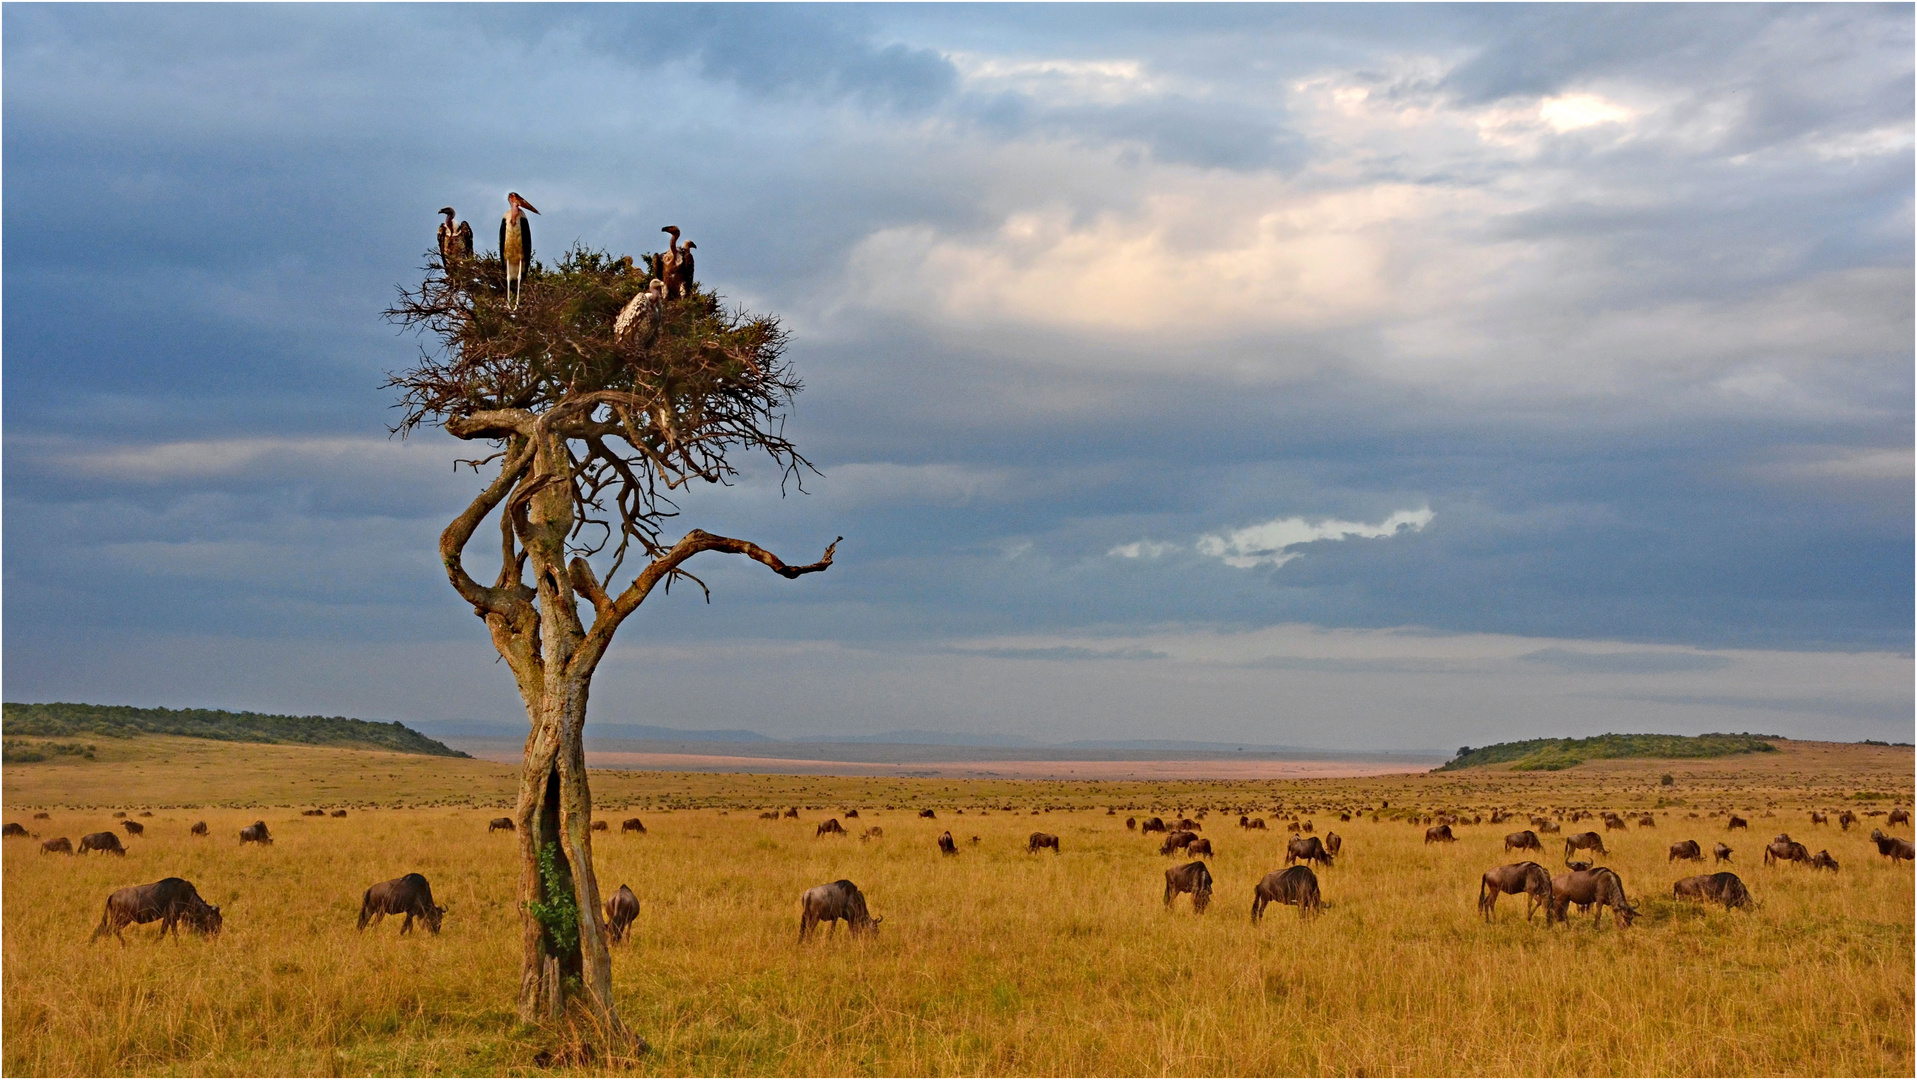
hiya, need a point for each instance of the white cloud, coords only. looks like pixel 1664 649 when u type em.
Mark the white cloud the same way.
pixel 1271 543
pixel 1095 82
pixel 1142 549
pixel 199 459
pixel 1570 112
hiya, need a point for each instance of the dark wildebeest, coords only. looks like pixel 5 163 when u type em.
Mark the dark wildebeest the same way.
pixel 1191 878
pixel 791 811
pixel 621 908
pixel 1686 849
pixel 1899 816
pixel 1189 825
pixel 133 828
pixel 1131 823
pixel 1785 851
pixel 171 901
pixel 312 813
pixel 873 833
pixel 1823 861
pixel 101 841
pixel 1439 834
pixel 1722 851
pixel 1579 864
pixel 43 815
pixel 1891 847
pixel 1177 841
pixel 1647 821
pixel 58 843
pixel 13 828
pixel 339 813
pixel 1736 823
pixel 769 815
pixel 499 823
pixel 1723 888
pixel 1333 843
pixel 1586 841
pixel 119 813
pixel 1199 847
pixel 1526 877
pixel 1307 848
pixel 198 829
pixel 1523 841
pixel 1846 820
pixel 1306 827
pixel 1297 885
pixel 1152 824
pixel 927 814
pixel 1244 822
pixel 1257 823
pixel 1041 840
pixel 600 826
pixel 409 896
pixel 829 826
pixel 1599 887
pixel 946 846
pixel 839 900
pixel 1545 826
pixel 255 834
pixel 1613 823
pixel 633 824
pixel 1819 819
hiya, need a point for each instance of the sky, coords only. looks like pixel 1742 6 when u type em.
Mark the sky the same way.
pixel 1368 378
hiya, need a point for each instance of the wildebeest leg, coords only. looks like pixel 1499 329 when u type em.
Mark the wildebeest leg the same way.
pixel 407 926
pixel 1257 907
pixel 805 925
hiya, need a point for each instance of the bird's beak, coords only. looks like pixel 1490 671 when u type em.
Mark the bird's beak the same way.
pixel 530 208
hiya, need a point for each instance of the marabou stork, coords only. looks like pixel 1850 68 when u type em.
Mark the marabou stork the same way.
pixel 675 265
pixel 515 245
pixel 455 238
pixel 641 308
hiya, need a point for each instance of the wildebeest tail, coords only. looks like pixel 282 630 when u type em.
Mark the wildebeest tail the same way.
pixel 366 909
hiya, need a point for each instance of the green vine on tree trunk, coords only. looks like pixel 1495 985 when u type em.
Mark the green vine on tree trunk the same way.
pixel 558 913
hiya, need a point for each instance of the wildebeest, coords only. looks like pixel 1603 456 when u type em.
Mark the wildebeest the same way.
pixel 1819 819
pixel 769 815
pixel 101 841
pixel 1257 823
pixel 1526 877
pixel 312 813
pixel 621 908
pixel 499 823
pixel 1131 823
pixel 1177 841
pixel 1686 849
pixel 1297 885
pixel 1647 821
pixel 1199 847
pixel 1308 849
pixel 1613 823
pixel 1439 834
pixel 339 813
pixel 1899 816
pixel 1722 851
pixel 133 828
pixel 1041 840
pixel 1333 843
pixel 171 901
pixel 1152 824
pixel 1892 847
pixel 43 815
pixel 198 829
pixel 830 826
pixel 1846 820
pixel 946 846
pixel 119 813
pixel 1523 841
pixel 1785 851
pixel 13 828
pixel 1723 888
pixel 1823 861
pixel 633 824
pixel 1579 865
pixel 600 826
pixel 1585 841
pixel 409 896
pixel 255 834
pixel 57 844
pixel 839 900
pixel 1191 878
pixel 1545 826
pixel 927 814
pixel 873 833
pixel 1599 887
pixel 1306 827
pixel 1736 823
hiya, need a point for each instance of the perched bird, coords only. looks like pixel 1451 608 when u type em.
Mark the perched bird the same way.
pixel 515 245
pixel 455 239
pixel 675 265
pixel 639 309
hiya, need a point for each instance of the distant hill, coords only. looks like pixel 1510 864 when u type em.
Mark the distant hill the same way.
pixel 1551 754
pixel 121 721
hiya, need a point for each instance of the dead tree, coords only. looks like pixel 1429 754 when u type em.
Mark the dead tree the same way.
pixel 589 433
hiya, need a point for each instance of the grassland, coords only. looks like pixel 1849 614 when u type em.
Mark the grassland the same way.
pixel 991 962
pixel 126 721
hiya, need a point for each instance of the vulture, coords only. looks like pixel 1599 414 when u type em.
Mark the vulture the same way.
pixel 675 265
pixel 455 238
pixel 639 309
pixel 515 245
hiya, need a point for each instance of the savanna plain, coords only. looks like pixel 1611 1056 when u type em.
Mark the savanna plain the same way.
pixel 990 961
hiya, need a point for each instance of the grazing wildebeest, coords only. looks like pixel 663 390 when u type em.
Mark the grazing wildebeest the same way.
pixel 43 815
pixel 1257 823
pixel 1199 847
pixel 873 833
pixel 830 826
pixel 1823 861
pixel 339 813
pixel 13 828
pixel 600 826
pixel 633 824
pixel 1722 851
pixel 1899 816
pixel 101 841
pixel 1785 850
pixel 1819 819
pixel 312 813
pixel 499 823
pixel 1526 877
pixel 409 896
pixel 1523 841
pixel 1545 826
pixel 1244 822
pixel 839 900
pixel 1042 840
pixel 769 815
pixel 1189 825
pixel 1439 834
pixel 1306 827
pixel 1333 843
pixel 1177 841
pixel 791 811
pixel 1723 888
pixel 1586 841
pixel 255 834
pixel 1686 849
pixel 621 908
pixel 852 813
pixel 1579 865
pixel 1131 823
pixel 1647 821
pixel 1613 823
pixel 1297 885
pixel 133 828
pixel 1891 847
pixel 1736 823
pixel 1152 824
pixel 946 846
pixel 198 829
pixel 1846 820
pixel 1191 878
pixel 927 814
pixel 58 843
pixel 1598 887
pixel 119 813
pixel 1307 848
pixel 171 901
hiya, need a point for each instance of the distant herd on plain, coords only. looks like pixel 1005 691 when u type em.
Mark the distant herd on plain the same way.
pixel 173 901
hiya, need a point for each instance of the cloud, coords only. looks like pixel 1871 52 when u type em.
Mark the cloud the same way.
pixel 1627 663
pixel 1142 549
pixel 1272 542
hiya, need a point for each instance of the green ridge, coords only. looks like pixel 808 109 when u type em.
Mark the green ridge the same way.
pixel 124 721
pixel 1534 755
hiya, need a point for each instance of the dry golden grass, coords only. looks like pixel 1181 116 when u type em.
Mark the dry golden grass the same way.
pixel 991 962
